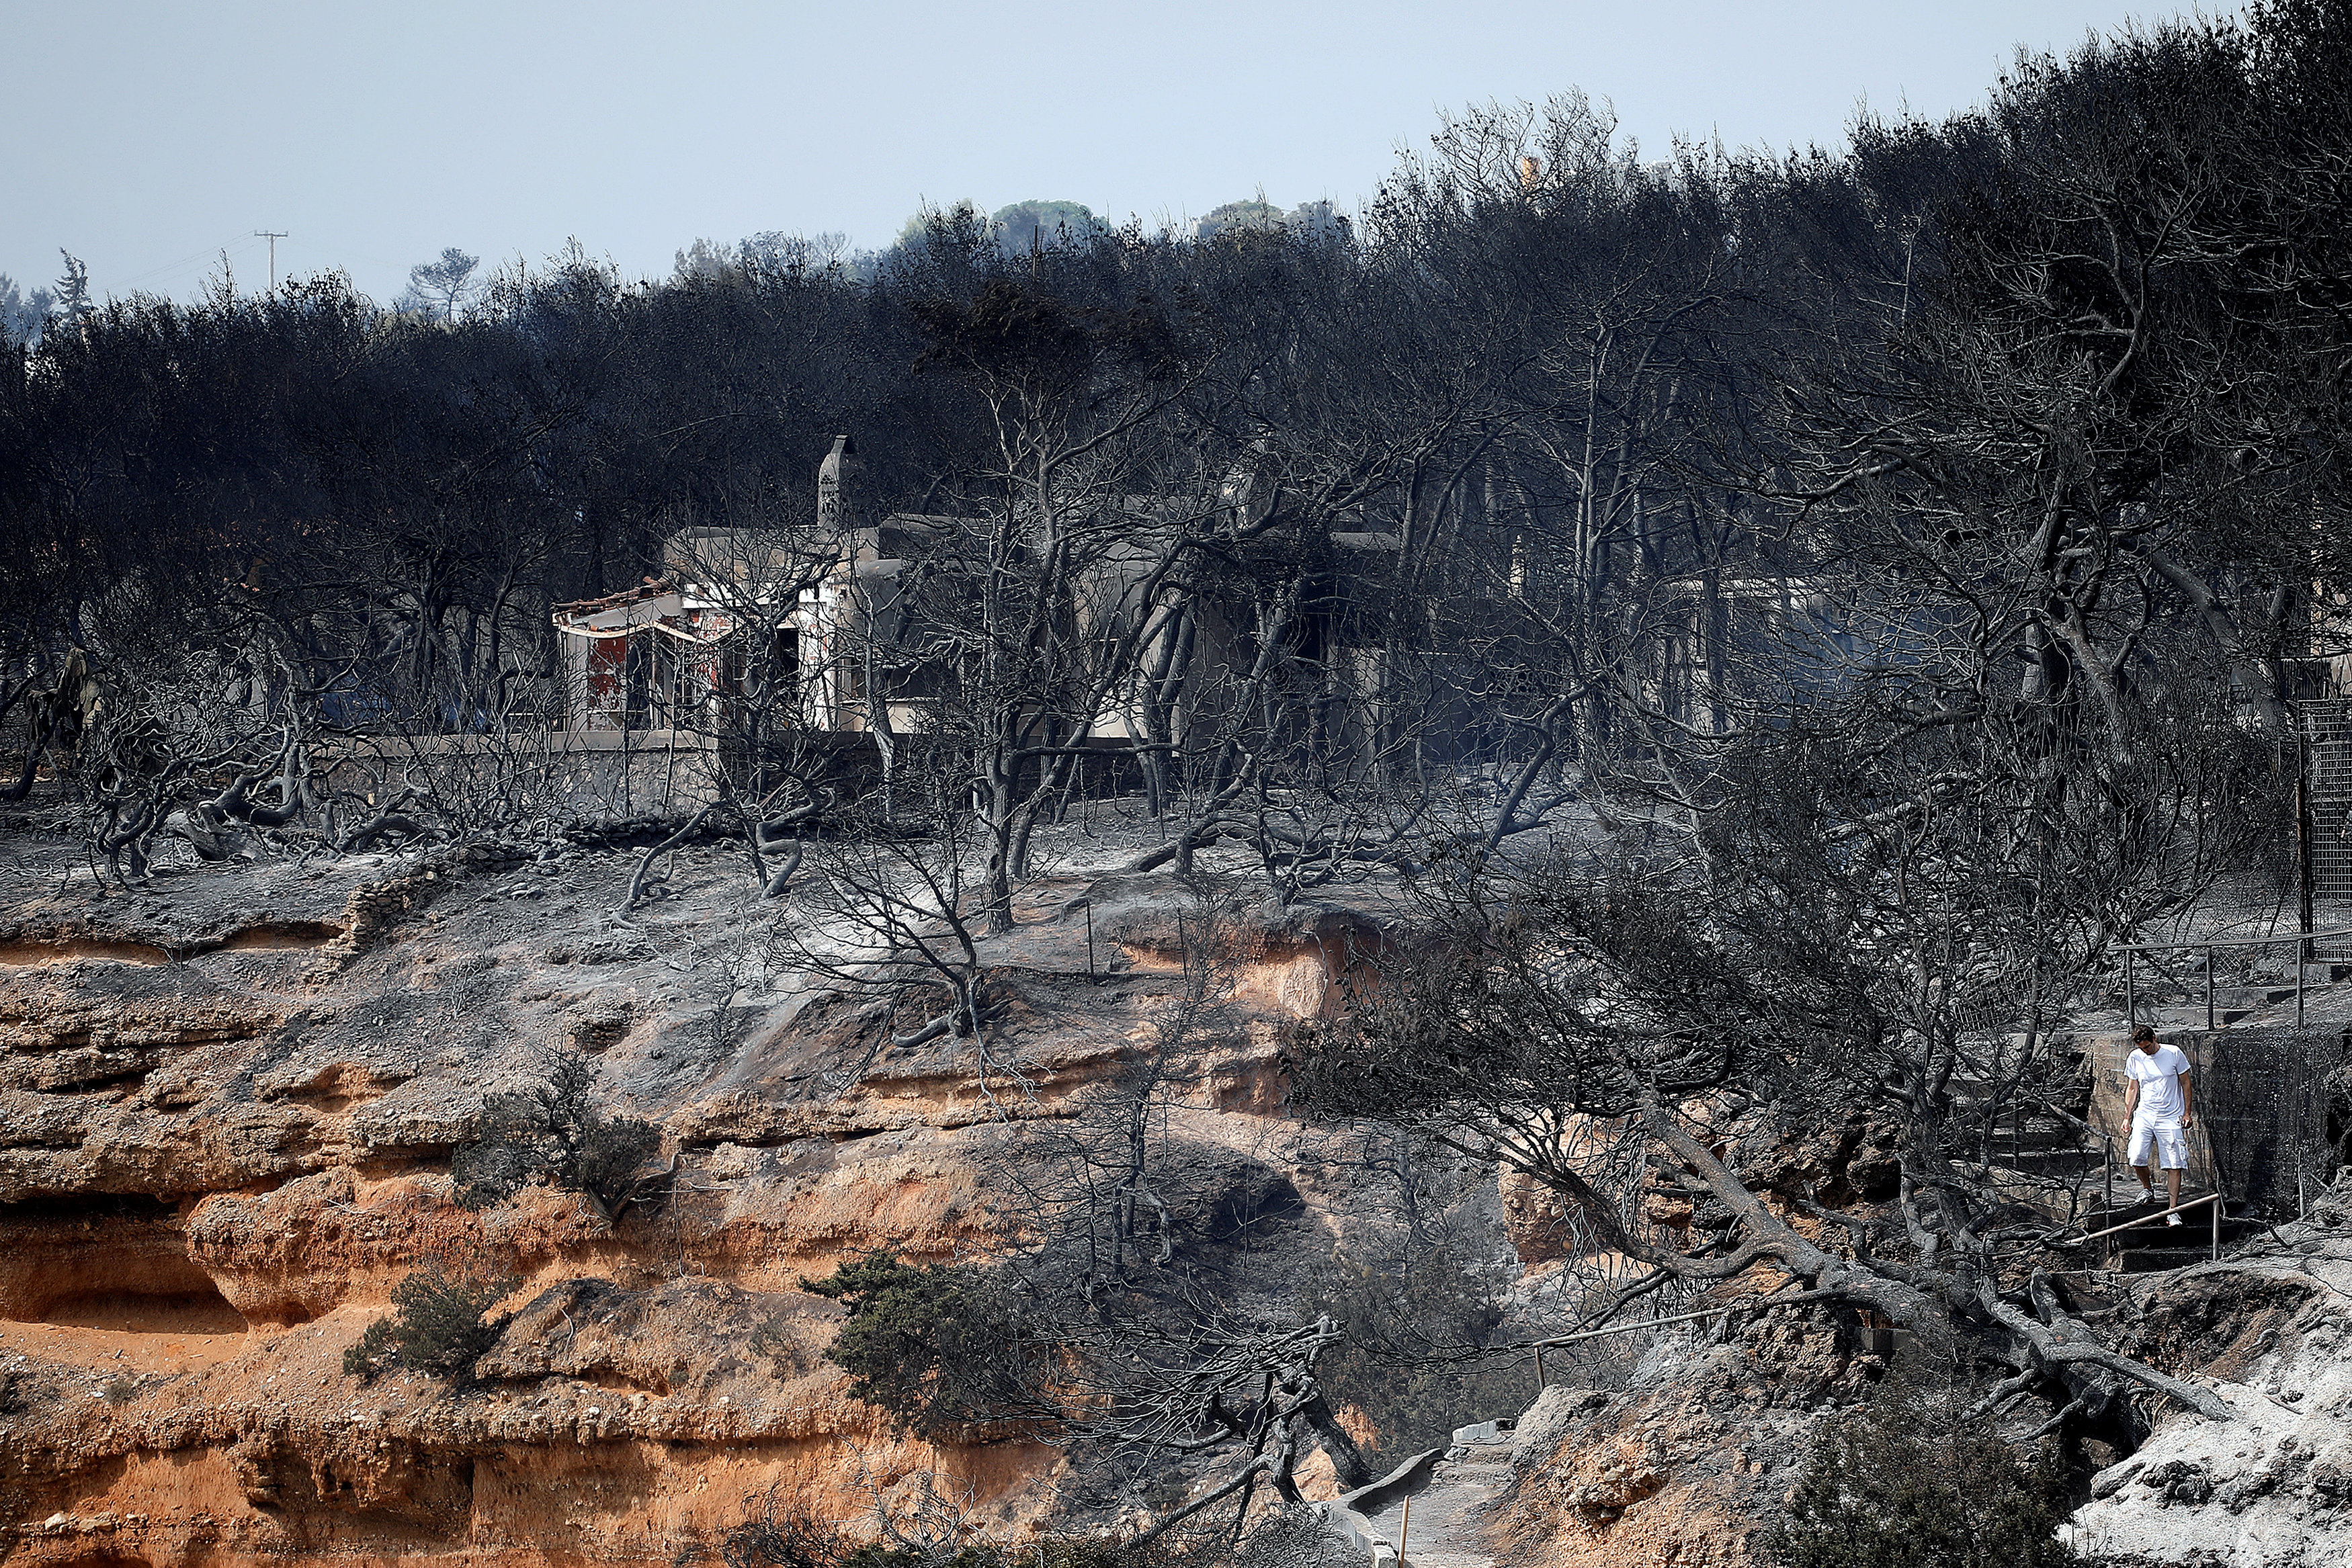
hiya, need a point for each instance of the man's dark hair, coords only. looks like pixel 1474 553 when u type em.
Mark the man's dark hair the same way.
pixel 2145 1032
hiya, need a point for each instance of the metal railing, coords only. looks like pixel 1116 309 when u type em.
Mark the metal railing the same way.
pixel 2303 959
pixel 2213 1198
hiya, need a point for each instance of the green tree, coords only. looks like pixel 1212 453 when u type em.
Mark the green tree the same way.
pixel 440 1326
pixel 917 228
pixel 22 314
pixel 1031 223
pixel 553 1133
pixel 445 285
pixel 73 300
pixel 1257 216
pixel 938 1346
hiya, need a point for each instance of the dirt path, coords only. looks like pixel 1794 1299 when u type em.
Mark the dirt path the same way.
pixel 1448 1527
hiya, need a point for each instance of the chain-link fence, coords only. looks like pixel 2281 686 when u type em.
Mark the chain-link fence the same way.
pixel 2273 1103
pixel 2324 830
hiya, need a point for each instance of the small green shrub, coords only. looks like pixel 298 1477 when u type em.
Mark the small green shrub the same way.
pixel 553 1132
pixel 1906 1482
pixel 440 1327
pixel 120 1390
pixel 936 1347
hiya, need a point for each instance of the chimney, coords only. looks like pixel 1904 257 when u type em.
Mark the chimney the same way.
pixel 840 495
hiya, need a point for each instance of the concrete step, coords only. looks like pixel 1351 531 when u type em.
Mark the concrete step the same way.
pixel 2153 1245
pixel 2160 1259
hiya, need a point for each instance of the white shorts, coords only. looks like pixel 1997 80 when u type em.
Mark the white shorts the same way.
pixel 2171 1148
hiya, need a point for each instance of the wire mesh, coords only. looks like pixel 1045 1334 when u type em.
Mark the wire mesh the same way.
pixel 2325 727
pixel 2271 1103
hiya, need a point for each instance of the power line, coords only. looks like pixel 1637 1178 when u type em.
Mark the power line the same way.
pixel 183 261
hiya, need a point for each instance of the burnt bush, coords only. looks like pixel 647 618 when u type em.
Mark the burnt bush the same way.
pixel 785 1541
pixel 1908 1481
pixel 1408 1356
pixel 1297 1535
pixel 797 1540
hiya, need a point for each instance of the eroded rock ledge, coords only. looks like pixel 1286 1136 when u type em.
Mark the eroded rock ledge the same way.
pixel 226 1109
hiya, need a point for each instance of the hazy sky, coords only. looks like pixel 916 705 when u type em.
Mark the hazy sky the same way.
pixel 149 137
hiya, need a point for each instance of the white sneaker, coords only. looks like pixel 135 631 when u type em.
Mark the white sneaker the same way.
pixel 2172 1218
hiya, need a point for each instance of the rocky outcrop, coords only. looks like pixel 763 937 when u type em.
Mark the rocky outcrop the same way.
pixel 1691 1457
pixel 612 1425
pixel 2272 1332
pixel 227 1108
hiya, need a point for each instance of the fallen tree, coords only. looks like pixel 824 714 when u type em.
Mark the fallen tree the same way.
pixel 1648 1035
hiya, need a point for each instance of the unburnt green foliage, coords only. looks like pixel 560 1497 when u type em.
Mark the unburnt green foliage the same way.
pixel 553 1133
pixel 440 1326
pixel 939 1346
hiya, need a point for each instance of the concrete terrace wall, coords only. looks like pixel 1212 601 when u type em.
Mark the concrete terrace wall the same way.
pixel 2263 1100
pixel 593 775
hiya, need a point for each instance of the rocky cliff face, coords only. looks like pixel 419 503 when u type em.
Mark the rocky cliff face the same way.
pixel 1690 1457
pixel 226 1109
pixel 2271 1329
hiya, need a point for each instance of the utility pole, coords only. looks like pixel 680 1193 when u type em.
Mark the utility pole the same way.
pixel 273 236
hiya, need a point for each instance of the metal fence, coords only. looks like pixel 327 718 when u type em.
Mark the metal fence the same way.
pixel 2267 1102
pixel 2323 820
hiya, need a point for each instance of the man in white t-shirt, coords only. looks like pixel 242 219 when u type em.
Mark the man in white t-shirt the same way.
pixel 2161 1109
